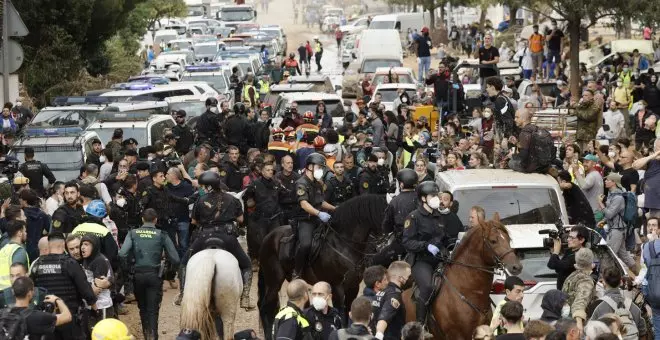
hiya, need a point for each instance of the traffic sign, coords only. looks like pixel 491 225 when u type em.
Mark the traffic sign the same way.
pixel 15 57
pixel 15 25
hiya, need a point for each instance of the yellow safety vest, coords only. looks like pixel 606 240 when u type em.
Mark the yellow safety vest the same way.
pixel 264 87
pixel 246 94
pixel 96 229
pixel 287 313
pixel 6 258
pixel 317 47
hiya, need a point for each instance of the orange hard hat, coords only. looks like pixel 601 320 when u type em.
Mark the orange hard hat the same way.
pixel 308 115
pixel 319 142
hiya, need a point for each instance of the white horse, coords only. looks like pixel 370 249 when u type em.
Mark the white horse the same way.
pixel 213 287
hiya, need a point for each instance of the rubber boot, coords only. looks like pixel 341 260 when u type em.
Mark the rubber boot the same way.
pixel 247 285
pixel 420 312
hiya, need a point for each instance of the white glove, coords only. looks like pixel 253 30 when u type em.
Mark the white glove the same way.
pixel 433 249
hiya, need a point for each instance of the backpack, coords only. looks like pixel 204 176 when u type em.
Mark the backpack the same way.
pixel 652 275
pixel 623 312
pixel 629 214
pixel 13 325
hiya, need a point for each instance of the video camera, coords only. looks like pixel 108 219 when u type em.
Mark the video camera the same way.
pixel 173 162
pixel 560 234
pixel 8 167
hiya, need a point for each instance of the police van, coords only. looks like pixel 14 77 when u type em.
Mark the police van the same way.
pixel 216 74
pixel 146 128
pixel 138 91
pixel 63 149
pixel 70 111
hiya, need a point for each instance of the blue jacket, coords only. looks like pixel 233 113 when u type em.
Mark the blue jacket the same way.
pixel 12 123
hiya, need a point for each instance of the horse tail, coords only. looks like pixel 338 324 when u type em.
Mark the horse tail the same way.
pixel 195 307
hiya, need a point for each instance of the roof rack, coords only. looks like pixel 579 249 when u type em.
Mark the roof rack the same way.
pixel 53 132
pixel 135 86
pixel 81 100
pixel 124 116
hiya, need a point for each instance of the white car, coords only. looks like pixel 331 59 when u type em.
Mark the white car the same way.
pixel 140 91
pixel 307 101
pixel 355 26
pixel 389 93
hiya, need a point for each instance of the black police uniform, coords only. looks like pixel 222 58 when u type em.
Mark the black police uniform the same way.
pixel 94 158
pixel 389 307
pixel 395 216
pixel 337 191
pixel 374 181
pixel 66 218
pixel 290 324
pixel 311 191
pixel 237 132
pixel 420 229
pixel 323 324
pixel 288 198
pixel 35 171
pixel 62 276
pixel 146 244
pixel 144 183
pixel 184 138
pixel 265 218
pixel 232 174
pixel 208 129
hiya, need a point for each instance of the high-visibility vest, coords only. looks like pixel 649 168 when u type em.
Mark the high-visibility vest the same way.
pixel 536 43
pixel 264 87
pixel 6 256
pixel 287 313
pixel 246 94
pixel 317 47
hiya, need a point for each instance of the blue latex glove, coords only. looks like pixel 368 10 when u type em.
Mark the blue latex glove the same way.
pixel 325 217
pixel 433 249
pixel 299 135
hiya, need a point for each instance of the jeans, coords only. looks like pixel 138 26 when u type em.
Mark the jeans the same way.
pixel 149 295
pixel 655 319
pixel 441 105
pixel 423 68
pixel 183 233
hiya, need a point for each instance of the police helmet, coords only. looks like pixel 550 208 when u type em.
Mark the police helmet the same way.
pixel 96 208
pixel 316 159
pixel 210 178
pixel 427 188
pixel 407 177
pixel 211 101
pixel 239 108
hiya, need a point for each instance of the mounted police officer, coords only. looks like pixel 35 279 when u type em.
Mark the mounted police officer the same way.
pixel 146 245
pixel 62 276
pixel 216 215
pixel 375 177
pixel 395 215
pixel 308 213
pixel 425 240
pixel 236 128
pixel 339 187
pixel 208 125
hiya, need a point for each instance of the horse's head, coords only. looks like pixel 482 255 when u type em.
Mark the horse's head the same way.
pixel 497 246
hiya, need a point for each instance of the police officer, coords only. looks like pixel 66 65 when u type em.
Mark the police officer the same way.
pixel 146 244
pixel 62 276
pixel 290 322
pixel 389 310
pixel 35 171
pixel 216 215
pixel 182 133
pixel 424 238
pixel 236 84
pixel 375 178
pixel 71 213
pixel 288 198
pixel 236 128
pixel 308 213
pixel 233 169
pixel 339 188
pixel 250 92
pixel 395 215
pixel 208 125
pixel 323 318
pixel 264 191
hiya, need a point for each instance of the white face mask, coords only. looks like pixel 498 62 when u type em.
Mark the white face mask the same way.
pixel 444 211
pixel 566 311
pixel 611 154
pixel 650 237
pixel 318 174
pixel 433 202
pixel 404 99
pixel 214 109
pixel 487 114
pixel 102 159
pixel 121 202
pixel 150 158
pixel 19 103
pixel 619 84
pixel 381 161
pixel 319 303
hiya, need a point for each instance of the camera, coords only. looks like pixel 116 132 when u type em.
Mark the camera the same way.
pixel 8 167
pixel 47 307
pixel 173 162
pixel 559 234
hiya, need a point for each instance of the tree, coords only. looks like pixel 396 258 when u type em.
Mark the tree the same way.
pixel 146 14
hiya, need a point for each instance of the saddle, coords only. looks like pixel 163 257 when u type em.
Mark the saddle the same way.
pixel 437 284
pixel 289 244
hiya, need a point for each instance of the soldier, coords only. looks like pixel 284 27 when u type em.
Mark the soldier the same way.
pixel 208 125
pixel 395 215
pixel 288 199
pixel 389 310
pixel 424 237
pixel 339 188
pixel 308 213
pixel 580 286
pixel 146 244
pixel 233 169
pixel 375 178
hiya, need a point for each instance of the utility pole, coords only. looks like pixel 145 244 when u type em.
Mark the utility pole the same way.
pixel 5 49
pixel 12 53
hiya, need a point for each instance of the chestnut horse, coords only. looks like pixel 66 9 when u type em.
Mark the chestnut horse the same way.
pixel 463 301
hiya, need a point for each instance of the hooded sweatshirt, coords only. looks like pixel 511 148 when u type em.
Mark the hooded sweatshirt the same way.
pixel 108 245
pixel 38 225
pixel 96 265
pixel 552 303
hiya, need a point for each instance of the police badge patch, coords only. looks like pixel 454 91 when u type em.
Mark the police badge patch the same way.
pixel 406 224
pixel 365 185
pixel 318 326
pixel 223 173
pixel 57 224
pixel 395 303
pixel 301 192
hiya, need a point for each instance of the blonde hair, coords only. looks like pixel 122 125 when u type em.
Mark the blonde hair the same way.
pixel 483 331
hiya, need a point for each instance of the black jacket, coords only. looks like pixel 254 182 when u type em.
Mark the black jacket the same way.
pixel 184 137
pixel 440 82
pixel 35 171
pixel 564 266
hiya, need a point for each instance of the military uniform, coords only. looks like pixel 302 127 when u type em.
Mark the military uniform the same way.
pixel 35 171
pixel 580 288
pixel 337 192
pixel 395 216
pixel 62 276
pixel 146 244
pixel 232 174
pixel 311 191
pixel 288 198
pixel 389 307
pixel 291 324
pixel 374 181
pixel 66 218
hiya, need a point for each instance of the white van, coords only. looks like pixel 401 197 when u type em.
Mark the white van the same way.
pixel 401 21
pixel 372 42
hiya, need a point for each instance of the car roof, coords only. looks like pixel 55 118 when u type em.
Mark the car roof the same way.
pixel 395 69
pixel 158 88
pixel 181 99
pixel 312 78
pixel 206 43
pixel 299 87
pixel 124 106
pixel 36 141
pixel 382 56
pixel 74 107
pixel 388 86
pixel 129 123
pixel 488 178
pixel 305 96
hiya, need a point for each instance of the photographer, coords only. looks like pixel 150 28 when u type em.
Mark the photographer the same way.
pixel 565 265
pixel 38 323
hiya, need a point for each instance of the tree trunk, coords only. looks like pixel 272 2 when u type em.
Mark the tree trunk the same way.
pixel 627 27
pixel 442 16
pixel 574 36
pixel 431 18
pixel 482 17
pixel 512 16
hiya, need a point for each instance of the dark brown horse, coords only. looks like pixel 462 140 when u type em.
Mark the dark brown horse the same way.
pixel 463 301
pixel 340 262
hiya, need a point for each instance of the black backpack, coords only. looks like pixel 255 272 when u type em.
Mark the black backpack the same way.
pixel 13 323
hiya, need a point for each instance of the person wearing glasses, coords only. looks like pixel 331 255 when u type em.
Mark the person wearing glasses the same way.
pixel 565 265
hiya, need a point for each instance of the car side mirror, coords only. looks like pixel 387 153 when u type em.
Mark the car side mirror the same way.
pixel 338 87
pixel 348 102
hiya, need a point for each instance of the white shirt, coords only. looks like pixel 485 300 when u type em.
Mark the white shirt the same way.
pixel 52 205
pixel 615 120
pixel 526 54
pixel 104 172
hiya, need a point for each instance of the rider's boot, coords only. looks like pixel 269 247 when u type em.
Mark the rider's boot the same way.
pixel 247 285
pixel 147 334
pixel 420 312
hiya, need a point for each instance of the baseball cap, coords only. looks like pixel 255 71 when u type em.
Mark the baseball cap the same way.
pixel 181 113
pixel 591 157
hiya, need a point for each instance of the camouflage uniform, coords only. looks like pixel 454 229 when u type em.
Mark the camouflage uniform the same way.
pixel 589 119
pixel 579 286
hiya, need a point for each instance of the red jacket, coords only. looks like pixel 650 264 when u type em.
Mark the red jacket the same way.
pixel 309 50
pixel 339 35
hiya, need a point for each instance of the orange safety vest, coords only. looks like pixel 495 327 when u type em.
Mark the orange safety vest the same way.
pixel 307 127
pixel 536 43
pixel 291 63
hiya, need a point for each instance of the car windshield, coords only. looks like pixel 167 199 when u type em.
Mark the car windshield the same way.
pixel 195 11
pixel 389 95
pixel 56 157
pixel 371 65
pixel 64 117
pixel 335 107
pixel 164 39
pixel 381 25
pixel 245 66
pixel 218 82
pixel 140 134
pixel 192 108
pixel 404 78
pixel 238 15
pixel 206 49
pixel 535 265
pixel 514 205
